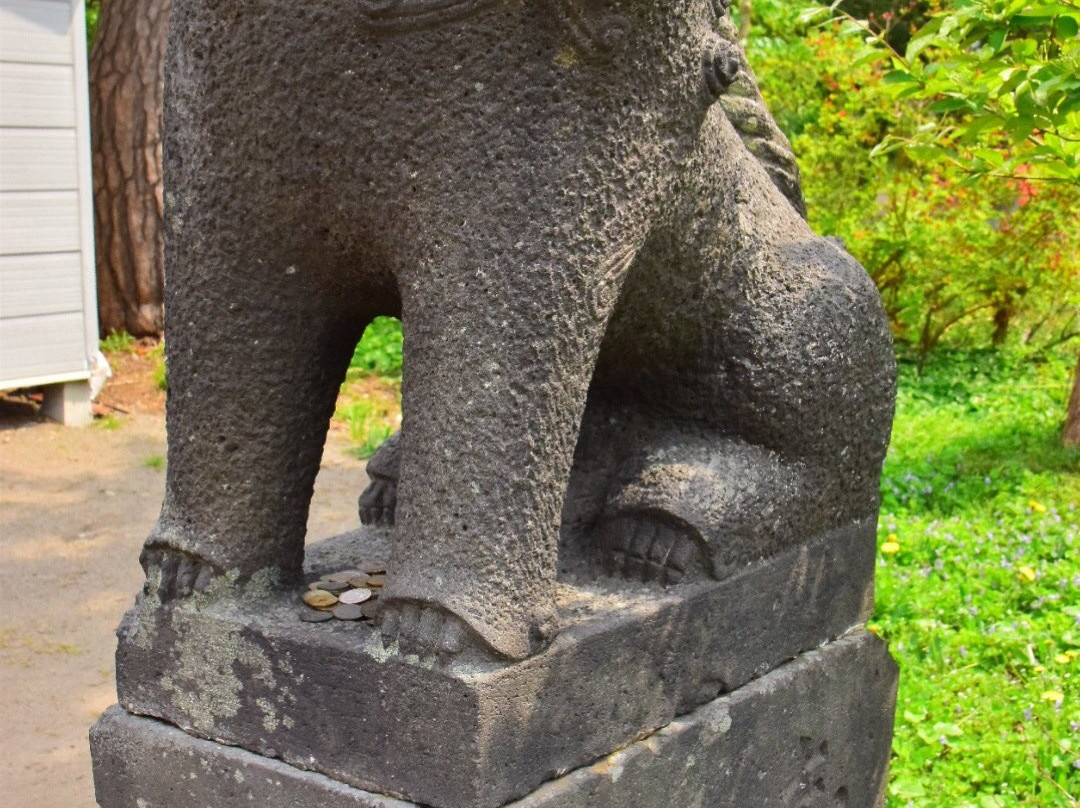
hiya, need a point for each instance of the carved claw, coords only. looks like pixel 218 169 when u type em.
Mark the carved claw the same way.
pixel 422 629
pixel 641 547
pixel 722 68
pixel 378 503
pixel 173 574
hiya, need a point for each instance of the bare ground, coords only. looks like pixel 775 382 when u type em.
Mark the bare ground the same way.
pixel 75 506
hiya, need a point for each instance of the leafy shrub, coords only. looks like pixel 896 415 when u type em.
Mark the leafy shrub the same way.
pixel 379 352
pixel 959 263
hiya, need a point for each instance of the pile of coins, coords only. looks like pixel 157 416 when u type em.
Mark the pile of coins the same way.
pixel 351 594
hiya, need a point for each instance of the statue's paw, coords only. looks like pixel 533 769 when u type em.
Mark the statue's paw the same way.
pixel 644 547
pixel 379 502
pixel 424 629
pixel 172 574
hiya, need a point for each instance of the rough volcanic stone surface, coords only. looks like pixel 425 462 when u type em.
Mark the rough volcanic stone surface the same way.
pixel 333 697
pixel 814 733
pixel 623 343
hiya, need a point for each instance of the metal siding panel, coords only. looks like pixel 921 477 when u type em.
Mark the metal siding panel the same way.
pixel 39 160
pixel 86 184
pixel 36 31
pixel 37 95
pixel 40 284
pixel 39 222
pixel 39 346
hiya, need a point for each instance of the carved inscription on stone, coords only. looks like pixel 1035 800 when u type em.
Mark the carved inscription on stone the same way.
pixel 814 787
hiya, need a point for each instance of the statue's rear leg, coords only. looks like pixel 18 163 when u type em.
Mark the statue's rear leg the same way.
pixel 785 339
pixel 254 361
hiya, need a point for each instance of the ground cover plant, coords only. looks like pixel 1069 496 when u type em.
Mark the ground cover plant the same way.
pixel 370 400
pixel 978 581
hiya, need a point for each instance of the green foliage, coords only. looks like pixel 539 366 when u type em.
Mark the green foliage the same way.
pixel 977 584
pixel 379 352
pixel 958 263
pixel 157 353
pixel 369 426
pixel 108 423
pixel 93 13
pixel 118 342
pixel 156 462
pixel 997 83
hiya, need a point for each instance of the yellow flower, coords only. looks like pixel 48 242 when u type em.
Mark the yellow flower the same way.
pixel 874 629
pixel 1027 573
pixel 1052 695
pixel 1039 669
pixel 1063 659
pixel 890 547
pixel 1038 507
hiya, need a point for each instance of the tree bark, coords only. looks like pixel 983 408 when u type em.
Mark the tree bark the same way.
pixel 1071 435
pixel 126 83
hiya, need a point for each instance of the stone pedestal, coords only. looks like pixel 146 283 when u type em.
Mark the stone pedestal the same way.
pixel 632 662
pixel 68 403
pixel 814 733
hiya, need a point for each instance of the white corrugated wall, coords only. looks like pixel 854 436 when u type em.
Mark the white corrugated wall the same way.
pixel 48 309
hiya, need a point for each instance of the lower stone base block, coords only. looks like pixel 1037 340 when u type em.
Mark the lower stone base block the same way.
pixel 814 733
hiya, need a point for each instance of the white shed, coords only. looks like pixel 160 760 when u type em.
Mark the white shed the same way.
pixel 48 306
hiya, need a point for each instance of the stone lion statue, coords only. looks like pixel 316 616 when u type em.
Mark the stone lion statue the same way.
pixel 626 353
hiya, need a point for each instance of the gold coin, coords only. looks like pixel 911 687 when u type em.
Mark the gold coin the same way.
pixel 373 569
pixel 358 580
pixel 355 596
pixel 319 599
pixel 377 579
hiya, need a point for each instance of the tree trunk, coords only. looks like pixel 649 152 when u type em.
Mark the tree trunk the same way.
pixel 1071 436
pixel 746 15
pixel 126 82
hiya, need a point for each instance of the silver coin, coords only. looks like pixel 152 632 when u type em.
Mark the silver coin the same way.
pixel 333 586
pixel 355 596
pixel 312 616
pixel 342 576
pixel 348 611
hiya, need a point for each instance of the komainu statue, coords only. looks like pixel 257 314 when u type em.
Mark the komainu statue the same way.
pixel 626 353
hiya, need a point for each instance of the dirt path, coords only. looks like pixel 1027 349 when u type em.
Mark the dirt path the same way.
pixel 75 506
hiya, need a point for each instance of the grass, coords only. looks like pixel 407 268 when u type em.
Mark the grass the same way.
pixel 370 400
pixel 977 585
pixel 118 342
pixel 977 581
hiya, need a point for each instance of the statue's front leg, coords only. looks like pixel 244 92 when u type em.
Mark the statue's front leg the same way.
pixel 498 359
pixel 256 352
